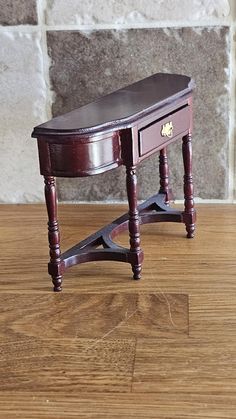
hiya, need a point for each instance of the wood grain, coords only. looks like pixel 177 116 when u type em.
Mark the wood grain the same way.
pixel 193 366
pixel 55 361
pixel 75 365
pixel 93 316
pixel 32 405
pixel 217 311
pixel 67 365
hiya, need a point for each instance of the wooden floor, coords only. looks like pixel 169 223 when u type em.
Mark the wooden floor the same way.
pixel 111 347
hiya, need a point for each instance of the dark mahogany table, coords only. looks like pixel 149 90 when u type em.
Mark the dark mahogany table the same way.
pixel 122 128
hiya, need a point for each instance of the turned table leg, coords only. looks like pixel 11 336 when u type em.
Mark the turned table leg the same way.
pixel 54 266
pixel 189 215
pixel 134 228
pixel 164 174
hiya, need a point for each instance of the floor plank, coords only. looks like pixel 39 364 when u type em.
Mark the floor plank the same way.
pixel 213 316
pixel 70 365
pixel 94 316
pixel 32 405
pixel 192 366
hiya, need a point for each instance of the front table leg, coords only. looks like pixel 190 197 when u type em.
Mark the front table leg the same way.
pixel 54 266
pixel 189 215
pixel 134 229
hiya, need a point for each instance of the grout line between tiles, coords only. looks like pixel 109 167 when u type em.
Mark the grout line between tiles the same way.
pixel 110 26
pixel 232 91
pixel 41 4
pixel 177 202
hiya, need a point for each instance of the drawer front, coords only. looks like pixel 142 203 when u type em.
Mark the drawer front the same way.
pixel 163 131
pixel 79 157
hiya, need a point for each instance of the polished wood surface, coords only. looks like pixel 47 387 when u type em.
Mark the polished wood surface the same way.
pixel 134 221
pixel 54 266
pixel 164 175
pixel 110 347
pixel 120 108
pixel 189 211
pixel 151 137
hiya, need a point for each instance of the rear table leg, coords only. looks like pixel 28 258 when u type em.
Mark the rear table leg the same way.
pixel 164 174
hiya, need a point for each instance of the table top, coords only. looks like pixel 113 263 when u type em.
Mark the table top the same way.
pixel 120 108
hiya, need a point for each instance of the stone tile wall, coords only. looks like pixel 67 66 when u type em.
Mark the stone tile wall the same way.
pixel 56 55
pixel 18 12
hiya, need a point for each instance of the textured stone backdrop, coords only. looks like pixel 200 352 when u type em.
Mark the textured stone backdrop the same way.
pixel 95 47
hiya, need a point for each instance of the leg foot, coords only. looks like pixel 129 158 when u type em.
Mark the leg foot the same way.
pixel 57 283
pixel 190 228
pixel 137 271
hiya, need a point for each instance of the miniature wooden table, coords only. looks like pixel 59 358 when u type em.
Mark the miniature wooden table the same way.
pixel 122 128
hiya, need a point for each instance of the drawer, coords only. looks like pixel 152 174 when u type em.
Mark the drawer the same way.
pixel 81 156
pixel 164 130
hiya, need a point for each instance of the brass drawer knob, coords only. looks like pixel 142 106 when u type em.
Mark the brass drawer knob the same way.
pixel 167 129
